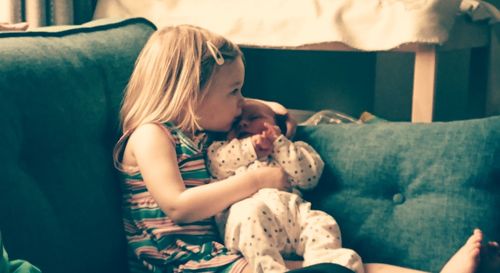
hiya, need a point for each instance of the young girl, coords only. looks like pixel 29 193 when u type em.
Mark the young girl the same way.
pixel 188 81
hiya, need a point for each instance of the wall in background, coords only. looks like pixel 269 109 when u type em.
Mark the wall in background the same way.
pixel 381 83
pixel 348 82
pixel 394 83
pixel 394 73
pixel 312 80
pixel 493 97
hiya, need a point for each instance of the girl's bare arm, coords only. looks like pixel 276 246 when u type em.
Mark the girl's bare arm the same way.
pixel 154 153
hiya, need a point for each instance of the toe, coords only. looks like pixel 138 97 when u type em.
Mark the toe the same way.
pixel 477 232
pixel 475 252
pixel 477 235
pixel 493 244
pixel 473 246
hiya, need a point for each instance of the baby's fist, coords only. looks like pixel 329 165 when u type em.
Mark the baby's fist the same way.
pixel 263 146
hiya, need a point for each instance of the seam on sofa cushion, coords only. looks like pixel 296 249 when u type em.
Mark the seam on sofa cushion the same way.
pixel 59 31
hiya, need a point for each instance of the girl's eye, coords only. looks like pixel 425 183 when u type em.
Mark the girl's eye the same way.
pixel 235 92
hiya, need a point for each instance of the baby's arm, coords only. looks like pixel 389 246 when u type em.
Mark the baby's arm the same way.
pixel 299 160
pixel 225 157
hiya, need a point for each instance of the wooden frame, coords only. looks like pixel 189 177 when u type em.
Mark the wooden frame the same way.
pixel 463 35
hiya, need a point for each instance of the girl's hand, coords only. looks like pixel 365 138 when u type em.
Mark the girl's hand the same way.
pixel 271 177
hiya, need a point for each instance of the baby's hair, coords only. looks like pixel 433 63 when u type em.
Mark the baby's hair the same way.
pixel 281 122
pixel 172 72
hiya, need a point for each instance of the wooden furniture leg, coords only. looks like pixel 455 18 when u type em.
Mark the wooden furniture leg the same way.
pixel 424 84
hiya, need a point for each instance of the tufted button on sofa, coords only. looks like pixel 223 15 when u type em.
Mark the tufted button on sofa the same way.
pixel 398 199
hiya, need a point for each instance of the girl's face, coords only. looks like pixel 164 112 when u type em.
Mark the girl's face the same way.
pixel 223 101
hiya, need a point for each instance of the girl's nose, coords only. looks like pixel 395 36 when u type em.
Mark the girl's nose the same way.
pixel 240 106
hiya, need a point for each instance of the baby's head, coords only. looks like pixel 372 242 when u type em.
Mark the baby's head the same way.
pixel 253 116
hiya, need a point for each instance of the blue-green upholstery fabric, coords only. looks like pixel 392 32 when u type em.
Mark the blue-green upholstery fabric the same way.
pixel 15 266
pixel 409 194
pixel 4 258
pixel 60 91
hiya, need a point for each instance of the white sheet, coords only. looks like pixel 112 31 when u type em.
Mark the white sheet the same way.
pixel 361 24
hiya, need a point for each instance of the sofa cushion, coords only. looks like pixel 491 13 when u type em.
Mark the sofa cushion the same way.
pixel 409 194
pixel 60 91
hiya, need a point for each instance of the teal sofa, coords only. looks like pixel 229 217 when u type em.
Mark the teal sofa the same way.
pixel 405 194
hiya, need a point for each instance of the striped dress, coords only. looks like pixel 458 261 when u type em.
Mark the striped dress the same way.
pixel 156 243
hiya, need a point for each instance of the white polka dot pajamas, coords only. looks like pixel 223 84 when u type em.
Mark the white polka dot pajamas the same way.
pixel 272 225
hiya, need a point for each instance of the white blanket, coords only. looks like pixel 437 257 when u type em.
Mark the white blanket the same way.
pixel 361 24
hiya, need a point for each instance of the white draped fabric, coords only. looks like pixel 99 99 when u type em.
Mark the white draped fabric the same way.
pixel 361 24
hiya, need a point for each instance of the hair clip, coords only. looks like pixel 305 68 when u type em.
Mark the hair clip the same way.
pixel 219 59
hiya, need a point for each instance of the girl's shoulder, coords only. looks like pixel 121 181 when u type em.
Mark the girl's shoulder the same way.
pixel 152 132
pixel 146 143
pixel 142 141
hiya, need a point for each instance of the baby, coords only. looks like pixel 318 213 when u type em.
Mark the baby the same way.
pixel 273 225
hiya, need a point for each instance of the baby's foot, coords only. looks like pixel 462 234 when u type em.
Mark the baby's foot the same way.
pixel 490 258
pixel 466 259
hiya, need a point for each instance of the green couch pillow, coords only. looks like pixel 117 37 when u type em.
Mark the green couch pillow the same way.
pixel 409 194
pixel 60 91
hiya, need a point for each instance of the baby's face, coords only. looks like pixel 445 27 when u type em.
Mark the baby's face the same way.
pixel 253 116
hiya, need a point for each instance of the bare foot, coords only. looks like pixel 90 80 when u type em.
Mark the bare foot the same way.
pixel 466 259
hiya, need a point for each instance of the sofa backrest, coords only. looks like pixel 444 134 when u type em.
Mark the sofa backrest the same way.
pixel 409 194
pixel 60 92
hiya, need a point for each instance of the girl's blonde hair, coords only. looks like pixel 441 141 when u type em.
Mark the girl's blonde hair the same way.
pixel 171 73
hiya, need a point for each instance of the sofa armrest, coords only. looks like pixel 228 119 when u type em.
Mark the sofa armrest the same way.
pixel 60 93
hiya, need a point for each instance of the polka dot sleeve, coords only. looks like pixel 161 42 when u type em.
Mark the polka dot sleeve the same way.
pixel 225 157
pixel 299 160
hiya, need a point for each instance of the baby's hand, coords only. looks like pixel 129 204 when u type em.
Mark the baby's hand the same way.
pixel 272 132
pixel 263 146
pixel 263 142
